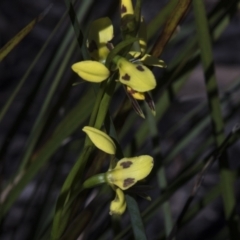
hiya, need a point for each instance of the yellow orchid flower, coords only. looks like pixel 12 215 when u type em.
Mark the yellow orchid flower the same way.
pixel 100 139
pixel 128 171
pixel 133 74
pixel 136 76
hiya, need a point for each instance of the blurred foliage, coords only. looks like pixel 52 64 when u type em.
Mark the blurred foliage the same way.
pixel 201 137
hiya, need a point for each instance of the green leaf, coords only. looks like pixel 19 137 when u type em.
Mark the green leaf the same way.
pixel 10 45
pixel 136 219
pixel 226 175
pixel 171 24
pixel 66 127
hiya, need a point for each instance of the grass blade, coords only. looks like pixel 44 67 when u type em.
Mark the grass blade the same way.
pixel 10 45
pixel 66 127
pixel 172 22
pixel 22 81
pixel 136 219
pixel 226 175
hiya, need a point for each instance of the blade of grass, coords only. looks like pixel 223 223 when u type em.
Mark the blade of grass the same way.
pixel 161 175
pixel 216 155
pixel 176 184
pixel 171 24
pixel 47 209
pixel 226 175
pixel 182 65
pixel 51 146
pixel 197 208
pixel 166 97
pixel 23 79
pixel 200 126
pixel 160 19
pixel 72 185
pixel 10 45
pixel 65 128
pixel 74 20
pixel 41 118
pixel 136 219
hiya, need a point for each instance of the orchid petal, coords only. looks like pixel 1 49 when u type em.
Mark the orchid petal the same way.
pixel 150 60
pixel 91 71
pixel 126 8
pixel 100 139
pixel 135 54
pixel 118 205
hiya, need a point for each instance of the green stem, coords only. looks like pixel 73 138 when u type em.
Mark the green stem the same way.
pixel 97 103
pixel 94 180
pixel 71 185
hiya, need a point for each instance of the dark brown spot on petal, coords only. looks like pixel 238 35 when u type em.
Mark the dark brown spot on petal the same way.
pixel 128 181
pixel 92 46
pixel 123 9
pixel 126 77
pixel 140 68
pixel 126 164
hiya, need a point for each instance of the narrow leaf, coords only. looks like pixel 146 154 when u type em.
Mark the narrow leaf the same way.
pixel 136 219
pixel 10 45
pixel 170 26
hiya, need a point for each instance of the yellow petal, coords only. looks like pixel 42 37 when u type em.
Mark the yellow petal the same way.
pixel 135 94
pixel 100 139
pixel 130 170
pixel 136 76
pixel 99 53
pixel 118 205
pixel 100 33
pixel 126 8
pixel 153 61
pixel 135 54
pixel 91 71
pixel 101 30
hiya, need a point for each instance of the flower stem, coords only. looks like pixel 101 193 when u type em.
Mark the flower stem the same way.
pixel 94 180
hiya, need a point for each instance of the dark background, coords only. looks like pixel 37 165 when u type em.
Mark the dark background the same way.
pixel 14 15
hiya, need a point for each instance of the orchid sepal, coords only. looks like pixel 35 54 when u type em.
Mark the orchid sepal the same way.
pixel 91 71
pixel 100 139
